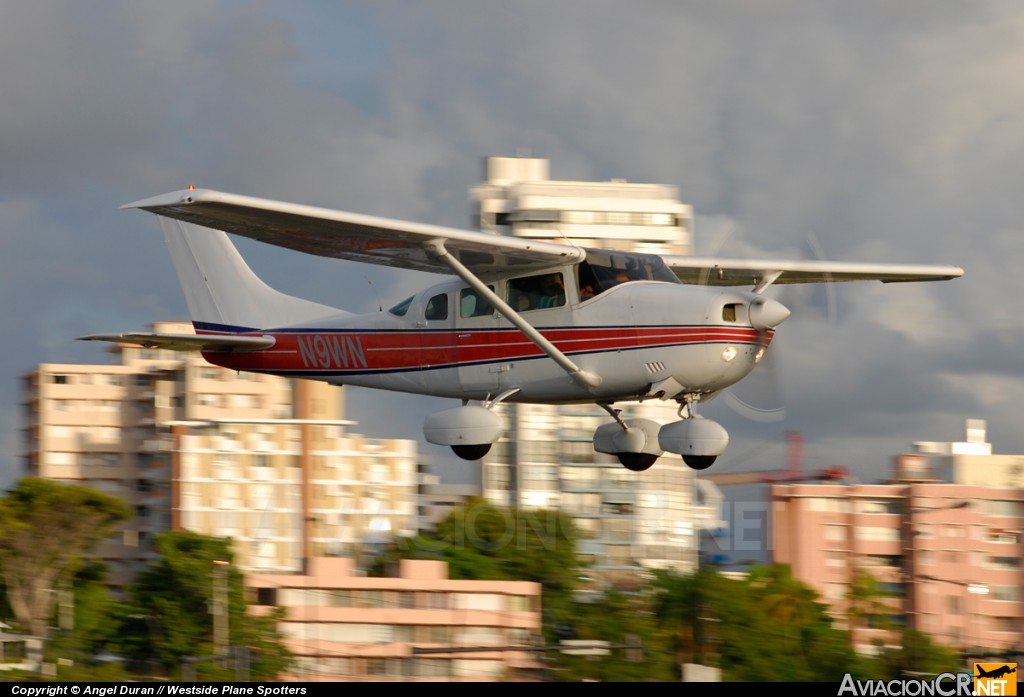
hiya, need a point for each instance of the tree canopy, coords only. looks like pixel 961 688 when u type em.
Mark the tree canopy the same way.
pixel 168 617
pixel 45 529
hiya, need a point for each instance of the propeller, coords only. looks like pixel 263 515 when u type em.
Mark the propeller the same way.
pixel 759 396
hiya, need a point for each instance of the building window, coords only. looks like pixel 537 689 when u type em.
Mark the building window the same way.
pixel 1010 593
pixel 877 534
pixel 1004 562
pixel 835 533
pixel 879 506
pixel 431 667
pixel 1006 624
pixel 519 603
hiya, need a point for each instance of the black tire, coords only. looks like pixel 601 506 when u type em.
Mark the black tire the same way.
pixel 699 462
pixel 471 452
pixel 637 462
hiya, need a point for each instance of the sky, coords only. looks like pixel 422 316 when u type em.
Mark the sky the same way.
pixel 869 131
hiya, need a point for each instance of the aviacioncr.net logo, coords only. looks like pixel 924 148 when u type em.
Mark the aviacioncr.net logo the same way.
pixel 943 685
pixel 995 679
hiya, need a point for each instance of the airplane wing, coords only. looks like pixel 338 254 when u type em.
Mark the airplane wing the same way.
pixel 764 272
pixel 187 342
pixel 330 233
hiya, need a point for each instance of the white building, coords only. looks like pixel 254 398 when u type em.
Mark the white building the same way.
pixel 546 457
pixel 265 460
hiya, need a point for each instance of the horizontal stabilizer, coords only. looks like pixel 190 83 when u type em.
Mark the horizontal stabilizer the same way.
pixel 187 342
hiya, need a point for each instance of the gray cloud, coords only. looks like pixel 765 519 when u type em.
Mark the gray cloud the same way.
pixel 880 131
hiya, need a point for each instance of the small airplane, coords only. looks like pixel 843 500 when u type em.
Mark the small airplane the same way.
pixel 995 673
pixel 514 319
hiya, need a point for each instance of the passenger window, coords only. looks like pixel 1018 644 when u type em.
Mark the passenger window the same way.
pixel 472 304
pixel 437 307
pixel 536 292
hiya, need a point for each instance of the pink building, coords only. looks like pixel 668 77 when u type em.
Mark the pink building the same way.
pixel 947 555
pixel 343 626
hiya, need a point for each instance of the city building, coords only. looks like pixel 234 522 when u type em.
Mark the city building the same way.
pixel 970 461
pixel 519 198
pixel 438 500
pixel 546 457
pixel 267 461
pixel 342 625
pixel 945 555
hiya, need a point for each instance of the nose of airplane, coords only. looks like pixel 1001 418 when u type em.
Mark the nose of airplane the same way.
pixel 766 313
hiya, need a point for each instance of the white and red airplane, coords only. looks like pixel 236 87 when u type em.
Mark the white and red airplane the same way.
pixel 520 321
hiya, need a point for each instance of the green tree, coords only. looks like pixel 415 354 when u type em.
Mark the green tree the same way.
pixel 95 615
pixel 623 620
pixel 768 627
pixel 45 530
pixel 168 617
pixel 866 602
pixel 677 601
pixel 916 654
pixel 482 541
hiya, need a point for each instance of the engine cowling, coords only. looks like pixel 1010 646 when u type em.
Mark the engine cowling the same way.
pixel 700 441
pixel 469 430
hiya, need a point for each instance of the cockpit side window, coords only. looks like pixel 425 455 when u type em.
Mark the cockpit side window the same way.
pixel 437 308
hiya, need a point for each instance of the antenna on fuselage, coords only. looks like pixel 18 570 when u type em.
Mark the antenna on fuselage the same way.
pixel 380 303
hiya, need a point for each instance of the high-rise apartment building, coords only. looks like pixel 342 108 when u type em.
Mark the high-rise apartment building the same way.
pixel 267 461
pixel 546 457
pixel 945 554
pixel 518 198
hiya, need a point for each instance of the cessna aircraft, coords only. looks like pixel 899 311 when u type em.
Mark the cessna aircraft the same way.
pixel 520 320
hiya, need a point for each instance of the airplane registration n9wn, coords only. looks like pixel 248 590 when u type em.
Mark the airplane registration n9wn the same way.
pixel 513 319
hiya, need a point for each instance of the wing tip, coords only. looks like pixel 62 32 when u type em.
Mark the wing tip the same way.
pixel 172 198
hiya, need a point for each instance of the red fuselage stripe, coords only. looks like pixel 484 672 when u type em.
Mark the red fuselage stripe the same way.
pixel 366 350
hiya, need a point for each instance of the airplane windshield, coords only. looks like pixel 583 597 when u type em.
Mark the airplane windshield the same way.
pixel 603 270
pixel 401 308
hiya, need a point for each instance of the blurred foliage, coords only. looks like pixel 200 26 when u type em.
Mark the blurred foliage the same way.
pixel 168 615
pixel 765 626
pixel 45 529
pixel 761 627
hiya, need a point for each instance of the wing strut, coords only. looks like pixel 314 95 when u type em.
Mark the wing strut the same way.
pixel 436 249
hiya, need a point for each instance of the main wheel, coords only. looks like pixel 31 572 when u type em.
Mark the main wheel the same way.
pixel 637 462
pixel 471 452
pixel 699 462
